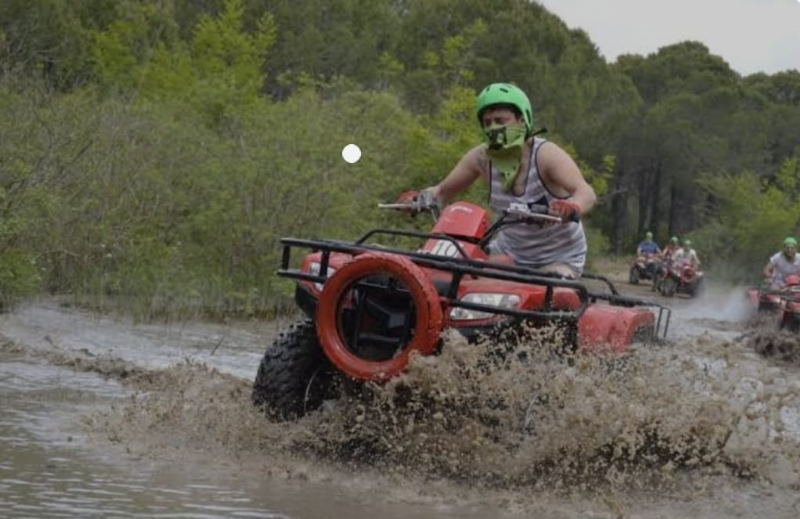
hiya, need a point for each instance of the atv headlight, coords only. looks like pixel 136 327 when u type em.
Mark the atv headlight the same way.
pixel 313 269
pixel 498 300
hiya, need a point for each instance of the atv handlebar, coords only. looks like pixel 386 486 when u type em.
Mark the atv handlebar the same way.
pixel 516 214
pixel 421 202
pixel 522 213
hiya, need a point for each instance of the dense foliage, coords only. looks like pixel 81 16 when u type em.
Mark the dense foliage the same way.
pixel 157 150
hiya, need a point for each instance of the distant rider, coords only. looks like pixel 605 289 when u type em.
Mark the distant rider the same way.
pixel 647 246
pixel 687 254
pixel 670 250
pixel 783 264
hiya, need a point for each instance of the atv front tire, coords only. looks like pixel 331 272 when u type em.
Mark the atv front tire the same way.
pixel 634 276
pixel 294 376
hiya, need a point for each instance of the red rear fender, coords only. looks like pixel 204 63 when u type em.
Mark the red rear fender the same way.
pixel 606 328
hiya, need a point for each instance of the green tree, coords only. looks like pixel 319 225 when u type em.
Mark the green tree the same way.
pixel 324 40
pixel 752 214
pixel 219 72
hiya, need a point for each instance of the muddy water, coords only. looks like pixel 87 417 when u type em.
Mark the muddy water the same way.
pixel 49 470
pixel 107 418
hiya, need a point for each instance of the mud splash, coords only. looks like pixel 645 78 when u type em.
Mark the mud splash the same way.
pixel 765 338
pixel 537 418
pixel 533 418
pixel 701 427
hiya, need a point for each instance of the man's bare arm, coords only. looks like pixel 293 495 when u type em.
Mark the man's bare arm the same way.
pixel 468 169
pixel 563 177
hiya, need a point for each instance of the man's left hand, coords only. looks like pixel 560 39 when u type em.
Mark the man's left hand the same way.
pixel 567 210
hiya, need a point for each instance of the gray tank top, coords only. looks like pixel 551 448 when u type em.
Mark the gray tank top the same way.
pixel 534 245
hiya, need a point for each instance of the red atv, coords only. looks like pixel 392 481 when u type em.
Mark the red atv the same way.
pixel 644 266
pixel 789 313
pixel 369 307
pixel 786 301
pixel 767 299
pixel 679 278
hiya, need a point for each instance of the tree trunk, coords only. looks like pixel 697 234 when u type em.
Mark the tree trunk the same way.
pixel 619 209
pixel 674 211
pixel 644 203
pixel 655 197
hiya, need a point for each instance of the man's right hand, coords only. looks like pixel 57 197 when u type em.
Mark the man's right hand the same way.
pixel 407 197
pixel 418 201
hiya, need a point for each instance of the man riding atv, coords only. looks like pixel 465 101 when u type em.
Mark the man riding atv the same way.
pixel 681 272
pixel 782 264
pixel 369 306
pixel 669 251
pixel 521 168
pixel 647 263
pixel 687 254
pixel 647 246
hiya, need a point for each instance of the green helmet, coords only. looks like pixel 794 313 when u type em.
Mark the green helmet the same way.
pixel 687 243
pixel 789 240
pixel 506 94
pixel 674 240
pixel 648 235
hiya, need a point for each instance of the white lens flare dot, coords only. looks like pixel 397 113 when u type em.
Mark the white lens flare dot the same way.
pixel 351 153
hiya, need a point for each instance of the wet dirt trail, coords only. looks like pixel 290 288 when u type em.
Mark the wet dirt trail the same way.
pixel 103 417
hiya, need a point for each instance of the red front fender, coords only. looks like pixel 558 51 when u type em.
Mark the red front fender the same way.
pixel 606 328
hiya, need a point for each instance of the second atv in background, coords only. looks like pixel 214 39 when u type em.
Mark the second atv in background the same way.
pixel 680 277
pixel 681 273
pixel 644 267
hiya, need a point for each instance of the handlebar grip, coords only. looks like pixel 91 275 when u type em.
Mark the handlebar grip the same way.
pixel 544 209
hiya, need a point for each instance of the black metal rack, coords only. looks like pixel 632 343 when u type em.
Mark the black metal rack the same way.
pixel 464 266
